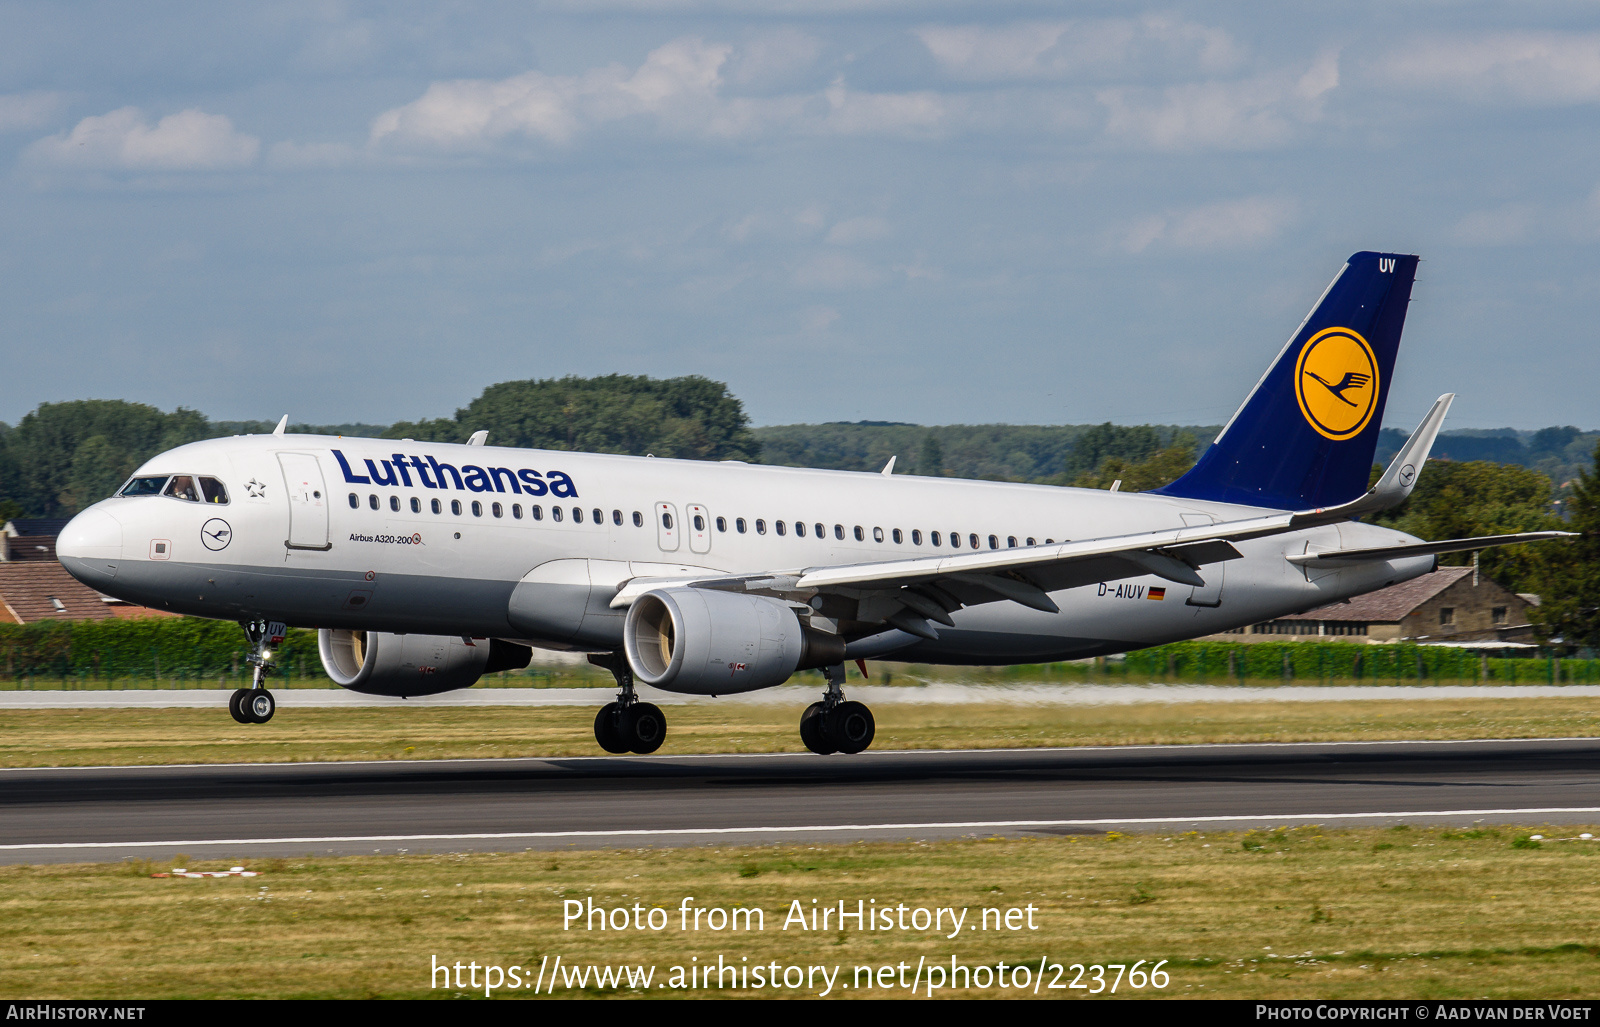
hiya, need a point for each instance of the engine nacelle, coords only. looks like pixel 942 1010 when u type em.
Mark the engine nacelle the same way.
pixel 705 642
pixel 378 663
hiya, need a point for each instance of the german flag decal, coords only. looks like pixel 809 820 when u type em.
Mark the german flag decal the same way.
pixel 1158 593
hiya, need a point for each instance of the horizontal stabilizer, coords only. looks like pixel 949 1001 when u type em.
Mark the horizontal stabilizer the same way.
pixel 1451 545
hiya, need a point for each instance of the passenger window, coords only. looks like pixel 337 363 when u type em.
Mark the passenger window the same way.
pixel 599 515
pixel 477 508
pixel 416 505
pixel 455 507
pixel 555 513
pixel 898 538
pixel 821 531
pixel 372 501
pixel 394 503
pixel 355 501
pixel 1011 541
pixel 800 529
pixel 722 524
pixel 994 543
pixel 1049 541
pixel 577 515
pixel 916 536
pixel 536 512
pixel 616 517
pixel 213 490
pixel 699 523
pixel 739 525
pixel 182 487
pixel 761 526
pixel 955 540
pixel 933 537
pixel 838 533
pixel 1031 542
pixel 666 521
pixel 497 509
pixel 438 507
pixel 143 487
pixel 777 525
pixel 638 519
pixel 516 511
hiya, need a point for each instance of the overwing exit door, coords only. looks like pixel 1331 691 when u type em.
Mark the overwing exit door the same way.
pixel 308 502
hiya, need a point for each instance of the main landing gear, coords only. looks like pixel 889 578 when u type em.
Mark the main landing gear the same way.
pixel 836 724
pixel 255 705
pixel 629 724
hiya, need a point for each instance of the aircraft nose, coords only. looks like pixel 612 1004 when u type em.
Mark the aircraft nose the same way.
pixel 90 546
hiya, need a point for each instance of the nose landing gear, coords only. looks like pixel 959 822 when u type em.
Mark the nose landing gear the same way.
pixel 836 724
pixel 627 725
pixel 255 705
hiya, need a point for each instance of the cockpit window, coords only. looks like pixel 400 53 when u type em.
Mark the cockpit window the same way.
pixel 144 486
pixel 213 490
pixel 182 487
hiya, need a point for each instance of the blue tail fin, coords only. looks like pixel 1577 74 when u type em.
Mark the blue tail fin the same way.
pixel 1306 434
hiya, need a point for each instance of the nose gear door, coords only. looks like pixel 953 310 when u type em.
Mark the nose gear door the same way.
pixel 308 502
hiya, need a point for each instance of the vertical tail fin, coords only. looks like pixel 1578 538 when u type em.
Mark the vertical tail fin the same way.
pixel 1306 434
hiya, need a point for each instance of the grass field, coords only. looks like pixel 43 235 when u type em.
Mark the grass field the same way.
pixel 1293 913
pixel 127 737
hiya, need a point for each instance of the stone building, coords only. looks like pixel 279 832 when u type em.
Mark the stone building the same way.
pixel 1451 604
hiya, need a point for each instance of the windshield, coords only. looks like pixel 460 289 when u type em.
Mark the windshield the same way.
pixel 144 486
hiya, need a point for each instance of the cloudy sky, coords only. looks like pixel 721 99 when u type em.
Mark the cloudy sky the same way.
pixel 931 212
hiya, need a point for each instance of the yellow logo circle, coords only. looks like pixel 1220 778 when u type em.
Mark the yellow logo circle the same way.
pixel 1336 381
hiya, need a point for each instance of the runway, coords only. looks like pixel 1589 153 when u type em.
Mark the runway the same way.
pixel 96 814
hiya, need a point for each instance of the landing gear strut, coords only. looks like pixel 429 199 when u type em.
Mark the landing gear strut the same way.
pixel 629 724
pixel 836 724
pixel 255 705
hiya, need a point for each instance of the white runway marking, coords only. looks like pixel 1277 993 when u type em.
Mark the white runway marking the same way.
pixel 678 832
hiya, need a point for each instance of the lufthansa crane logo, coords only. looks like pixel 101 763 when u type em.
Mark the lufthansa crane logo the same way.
pixel 215 534
pixel 1336 382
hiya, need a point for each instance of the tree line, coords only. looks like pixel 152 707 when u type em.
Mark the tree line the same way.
pixel 62 457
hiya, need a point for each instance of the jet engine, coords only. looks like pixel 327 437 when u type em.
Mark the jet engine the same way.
pixel 378 663
pixel 705 642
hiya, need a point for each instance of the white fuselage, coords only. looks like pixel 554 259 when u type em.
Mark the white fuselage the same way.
pixel 307 544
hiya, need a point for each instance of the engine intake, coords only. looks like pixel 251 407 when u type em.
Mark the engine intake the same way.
pixel 378 663
pixel 704 642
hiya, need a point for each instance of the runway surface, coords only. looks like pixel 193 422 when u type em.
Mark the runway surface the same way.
pixel 798 696
pixel 83 814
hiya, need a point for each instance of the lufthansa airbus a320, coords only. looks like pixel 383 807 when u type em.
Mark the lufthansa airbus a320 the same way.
pixel 424 566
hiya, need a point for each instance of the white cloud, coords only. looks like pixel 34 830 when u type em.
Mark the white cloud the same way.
pixel 1526 67
pixel 19 111
pixel 1248 114
pixel 1227 224
pixel 854 230
pixel 124 140
pixel 1500 226
pixel 836 270
pixel 1056 49
pixel 679 89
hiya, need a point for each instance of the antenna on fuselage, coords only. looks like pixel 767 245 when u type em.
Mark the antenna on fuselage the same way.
pixel 283 422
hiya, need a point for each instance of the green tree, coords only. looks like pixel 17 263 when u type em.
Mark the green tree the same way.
pixel 691 417
pixel 98 468
pixel 930 458
pixel 1569 585
pixel 1162 467
pixel 45 447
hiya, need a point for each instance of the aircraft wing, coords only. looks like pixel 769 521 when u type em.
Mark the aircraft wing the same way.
pixel 909 593
pixel 1449 545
